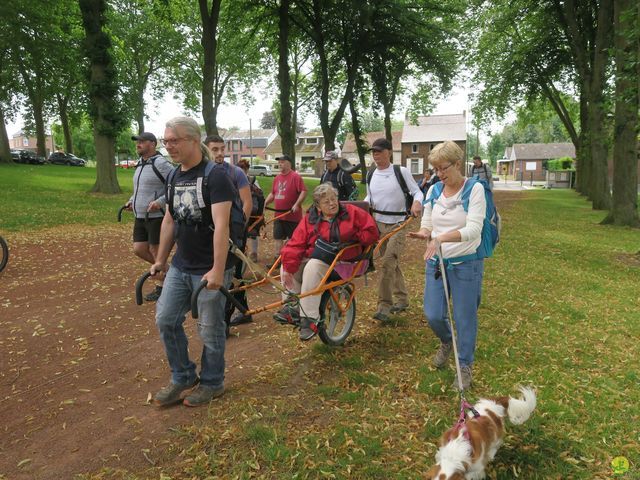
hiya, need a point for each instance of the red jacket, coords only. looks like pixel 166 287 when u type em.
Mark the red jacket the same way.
pixel 354 224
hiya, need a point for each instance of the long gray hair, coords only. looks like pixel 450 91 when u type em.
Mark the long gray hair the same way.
pixel 191 130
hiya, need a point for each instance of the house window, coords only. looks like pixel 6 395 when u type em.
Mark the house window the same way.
pixel 414 148
pixel 25 141
pixel 311 141
pixel 235 145
pixel 415 165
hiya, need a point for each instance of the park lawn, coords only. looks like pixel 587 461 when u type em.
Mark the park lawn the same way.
pixel 560 312
pixel 44 196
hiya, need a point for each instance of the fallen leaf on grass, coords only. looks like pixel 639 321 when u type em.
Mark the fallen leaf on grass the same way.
pixel 23 462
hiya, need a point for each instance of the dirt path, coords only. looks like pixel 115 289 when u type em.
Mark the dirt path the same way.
pixel 78 358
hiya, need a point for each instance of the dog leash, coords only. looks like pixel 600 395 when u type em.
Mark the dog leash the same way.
pixel 464 405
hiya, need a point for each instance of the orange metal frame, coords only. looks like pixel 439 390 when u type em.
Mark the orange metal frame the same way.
pixel 324 284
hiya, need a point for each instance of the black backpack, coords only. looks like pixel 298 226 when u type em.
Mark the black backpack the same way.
pixel 342 193
pixel 257 198
pixel 153 166
pixel 237 222
pixel 403 185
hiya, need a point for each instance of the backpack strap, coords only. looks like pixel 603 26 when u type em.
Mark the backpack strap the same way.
pixel 401 180
pixel 202 183
pixel 403 187
pixel 171 184
pixel 155 169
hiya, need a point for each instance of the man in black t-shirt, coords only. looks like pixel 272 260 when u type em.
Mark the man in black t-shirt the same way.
pixel 197 220
pixel 341 180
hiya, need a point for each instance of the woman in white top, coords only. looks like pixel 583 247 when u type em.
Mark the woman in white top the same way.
pixel 455 224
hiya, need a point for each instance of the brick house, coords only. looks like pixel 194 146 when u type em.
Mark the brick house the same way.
pixel 247 144
pixel 309 148
pixel 419 139
pixel 22 141
pixel 526 161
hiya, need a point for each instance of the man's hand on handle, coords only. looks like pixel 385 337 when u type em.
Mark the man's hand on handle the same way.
pixel 214 278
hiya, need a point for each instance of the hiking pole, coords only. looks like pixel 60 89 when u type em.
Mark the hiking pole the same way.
pixel 445 284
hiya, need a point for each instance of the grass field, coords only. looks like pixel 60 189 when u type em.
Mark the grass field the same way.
pixel 561 311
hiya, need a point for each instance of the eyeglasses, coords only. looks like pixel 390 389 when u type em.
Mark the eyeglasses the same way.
pixel 167 142
pixel 438 273
pixel 442 170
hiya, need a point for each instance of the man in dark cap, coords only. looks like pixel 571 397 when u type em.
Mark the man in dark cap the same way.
pixel 392 193
pixel 288 191
pixel 340 179
pixel 149 178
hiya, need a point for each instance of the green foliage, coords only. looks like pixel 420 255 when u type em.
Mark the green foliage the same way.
pixel 563 163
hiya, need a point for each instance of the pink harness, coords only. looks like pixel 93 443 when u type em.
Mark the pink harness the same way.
pixel 464 406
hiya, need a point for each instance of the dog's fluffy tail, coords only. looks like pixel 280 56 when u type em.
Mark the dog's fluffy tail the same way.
pixel 519 410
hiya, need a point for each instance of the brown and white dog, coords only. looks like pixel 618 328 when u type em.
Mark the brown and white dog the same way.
pixel 466 450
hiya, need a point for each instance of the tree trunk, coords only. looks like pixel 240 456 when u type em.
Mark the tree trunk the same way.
pixel 38 120
pixel 140 111
pixel 600 191
pixel 624 209
pixel 357 138
pixel 104 90
pixel 285 126
pixel 5 151
pixel 583 153
pixel 209 46
pixel 63 103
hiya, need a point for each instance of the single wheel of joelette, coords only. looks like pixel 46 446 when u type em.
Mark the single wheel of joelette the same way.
pixel 336 319
pixel 4 254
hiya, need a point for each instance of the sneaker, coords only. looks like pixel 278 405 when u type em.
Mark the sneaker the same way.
pixel 238 318
pixel 442 355
pixel 381 315
pixel 154 296
pixel 171 393
pixel 253 256
pixel 287 316
pixel 202 395
pixel 308 329
pixel 465 374
pixel 399 307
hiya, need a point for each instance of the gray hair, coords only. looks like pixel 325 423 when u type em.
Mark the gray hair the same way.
pixel 322 191
pixel 191 130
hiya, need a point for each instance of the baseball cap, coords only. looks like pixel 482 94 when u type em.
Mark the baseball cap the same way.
pixel 330 155
pixel 284 157
pixel 381 144
pixel 145 136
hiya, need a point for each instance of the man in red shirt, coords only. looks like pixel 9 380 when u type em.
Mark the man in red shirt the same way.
pixel 288 191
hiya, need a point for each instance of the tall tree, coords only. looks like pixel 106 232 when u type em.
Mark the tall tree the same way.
pixel 588 28
pixel 107 118
pixel 143 35
pixel 286 127
pixel 624 208
pixel 209 16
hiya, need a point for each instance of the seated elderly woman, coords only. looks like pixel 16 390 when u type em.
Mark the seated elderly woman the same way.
pixel 305 260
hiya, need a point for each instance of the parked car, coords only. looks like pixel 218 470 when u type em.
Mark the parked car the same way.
pixel 62 158
pixel 128 163
pixel 27 156
pixel 261 171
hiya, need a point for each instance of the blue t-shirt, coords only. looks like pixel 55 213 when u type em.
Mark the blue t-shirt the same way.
pixel 194 238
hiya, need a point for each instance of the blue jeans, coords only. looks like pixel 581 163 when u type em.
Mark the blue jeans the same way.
pixel 465 288
pixel 172 306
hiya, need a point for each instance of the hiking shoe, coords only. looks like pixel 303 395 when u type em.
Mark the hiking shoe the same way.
pixel 399 307
pixel 153 296
pixel 202 395
pixel 171 393
pixel 381 315
pixel 287 316
pixel 238 318
pixel 465 374
pixel 308 329
pixel 442 355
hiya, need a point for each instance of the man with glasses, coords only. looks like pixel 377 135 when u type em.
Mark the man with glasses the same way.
pixel 148 200
pixel 199 197
pixel 389 205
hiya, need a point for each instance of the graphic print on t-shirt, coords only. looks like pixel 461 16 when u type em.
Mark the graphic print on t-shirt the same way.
pixel 185 204
pixel 282 189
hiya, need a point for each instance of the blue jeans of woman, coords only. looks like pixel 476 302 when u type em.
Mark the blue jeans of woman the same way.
pixel 172 306
pixel 465 287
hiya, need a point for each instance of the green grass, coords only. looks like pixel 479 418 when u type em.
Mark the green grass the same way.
pixel 36 197
pixel 560 311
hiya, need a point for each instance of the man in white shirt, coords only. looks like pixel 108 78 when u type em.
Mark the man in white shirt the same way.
pixel 386 195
